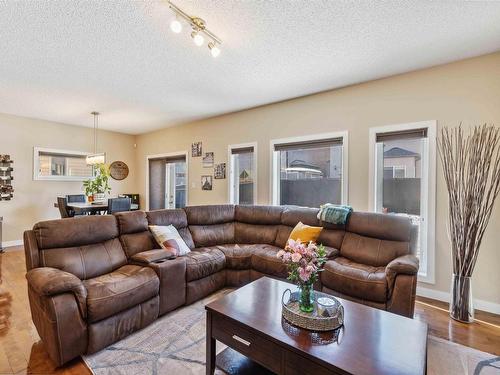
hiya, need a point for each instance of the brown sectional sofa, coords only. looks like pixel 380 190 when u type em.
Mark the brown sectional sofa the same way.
pixel 94 280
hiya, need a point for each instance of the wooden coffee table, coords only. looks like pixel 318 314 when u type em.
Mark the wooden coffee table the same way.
pixel 249 322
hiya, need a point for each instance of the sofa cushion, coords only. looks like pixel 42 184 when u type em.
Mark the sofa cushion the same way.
pixel 119 290
pixel 264 260
pixel 305 233
pixel 238 257
pixel 209 215
pixel 381 226
pixel 175 217
pixel 269 215
pixel 372 251
pixel 203 262
pixel 211 235
pixel 134 243
pixel 255 233
pixel 70 232
pixel 86 261
pixel 355 279
pixel 131 221
pixel 293 214
pixel 169 239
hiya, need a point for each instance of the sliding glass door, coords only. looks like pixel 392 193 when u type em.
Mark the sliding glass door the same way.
pixel 167 182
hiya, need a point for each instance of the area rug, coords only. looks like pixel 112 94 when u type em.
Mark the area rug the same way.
pixel 175 344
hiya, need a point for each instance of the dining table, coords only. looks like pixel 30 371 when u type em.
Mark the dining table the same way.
pixel 92 208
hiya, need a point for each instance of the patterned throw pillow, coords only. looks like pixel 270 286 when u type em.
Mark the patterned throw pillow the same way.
pixel 169 239
pixel 305 233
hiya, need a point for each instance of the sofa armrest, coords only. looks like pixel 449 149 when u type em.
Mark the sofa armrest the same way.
pixel 406 264
pixel 48 281
pixel 331 252
pixel 403 265
pixel 152 256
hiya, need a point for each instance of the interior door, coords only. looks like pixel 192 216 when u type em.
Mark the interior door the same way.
pixel 167 183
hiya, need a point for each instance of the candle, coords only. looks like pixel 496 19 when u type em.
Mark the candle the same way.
pixel 325 306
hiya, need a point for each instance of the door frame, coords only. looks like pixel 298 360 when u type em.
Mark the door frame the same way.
pixel 167 155
pixel 428 194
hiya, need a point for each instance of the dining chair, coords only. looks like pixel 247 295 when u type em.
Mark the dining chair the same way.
pixel 62 204
pixel 118 205
pixel 76 198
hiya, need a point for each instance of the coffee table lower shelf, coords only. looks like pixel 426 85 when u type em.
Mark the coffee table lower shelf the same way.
pixel 230 362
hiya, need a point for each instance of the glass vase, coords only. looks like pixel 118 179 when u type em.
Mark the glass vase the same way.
pixel 461 306
pixel 306 298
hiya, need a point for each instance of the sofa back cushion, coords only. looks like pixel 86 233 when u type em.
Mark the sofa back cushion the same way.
pixel 257 224
pixel 211 225
pixel 86 247
pixel 175 217
pixel 331 235
pixel 135 236
pixel 376 239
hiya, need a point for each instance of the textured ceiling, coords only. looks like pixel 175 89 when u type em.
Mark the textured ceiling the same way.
pixel 59 60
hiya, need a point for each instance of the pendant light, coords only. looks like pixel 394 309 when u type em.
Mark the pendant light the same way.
pixel 96 158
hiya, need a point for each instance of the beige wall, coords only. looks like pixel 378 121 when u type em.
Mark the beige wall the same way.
pixel 467 91
pixel 34 200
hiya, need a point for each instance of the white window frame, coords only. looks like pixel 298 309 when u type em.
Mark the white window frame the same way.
pixel 428 193
pixel 167 155
pixel 231 191
pixel 36 164
pixel 275 165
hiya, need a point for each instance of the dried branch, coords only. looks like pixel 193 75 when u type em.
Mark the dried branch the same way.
pixel 471 166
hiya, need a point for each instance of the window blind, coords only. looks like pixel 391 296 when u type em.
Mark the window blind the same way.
pixel 402 134
pixel 318 143
pixel 242 150
pixel 172 159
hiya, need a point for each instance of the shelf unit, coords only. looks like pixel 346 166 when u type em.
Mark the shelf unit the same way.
pixel 6 189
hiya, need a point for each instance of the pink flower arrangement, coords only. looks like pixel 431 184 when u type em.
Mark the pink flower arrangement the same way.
pixel 304 261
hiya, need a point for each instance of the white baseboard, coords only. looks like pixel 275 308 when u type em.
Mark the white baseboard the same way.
pixel 6 244
pixel 445 297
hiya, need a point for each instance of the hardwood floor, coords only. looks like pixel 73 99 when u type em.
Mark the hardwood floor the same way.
pixel 21 351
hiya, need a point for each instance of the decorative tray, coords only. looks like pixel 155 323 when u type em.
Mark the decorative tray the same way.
pixel 312 321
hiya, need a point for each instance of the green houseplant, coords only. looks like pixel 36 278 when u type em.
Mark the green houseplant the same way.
pixel 97 187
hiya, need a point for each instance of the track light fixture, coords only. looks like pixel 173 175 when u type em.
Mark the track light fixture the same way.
pixel 198 27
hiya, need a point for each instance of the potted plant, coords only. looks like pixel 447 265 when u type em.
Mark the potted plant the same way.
pixel 471 166
pixel 96 188
pixel 305 262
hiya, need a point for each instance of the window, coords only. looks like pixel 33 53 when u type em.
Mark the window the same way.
pixel 60 165
pixel 243 173
pixel 167 181
pixel 310 171
pixel 403 181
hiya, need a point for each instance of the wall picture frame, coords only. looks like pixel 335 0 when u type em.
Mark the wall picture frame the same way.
pixel 196 149
pixel 220 171
pixel 208 160
pixel 206 183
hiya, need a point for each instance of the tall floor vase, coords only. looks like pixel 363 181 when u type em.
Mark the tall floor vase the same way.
pixel 461 306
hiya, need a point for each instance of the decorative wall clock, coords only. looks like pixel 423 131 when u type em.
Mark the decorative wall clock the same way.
pixel 118 170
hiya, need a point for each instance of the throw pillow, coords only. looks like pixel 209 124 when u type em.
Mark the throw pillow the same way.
pixel 169 239
pixel 305 233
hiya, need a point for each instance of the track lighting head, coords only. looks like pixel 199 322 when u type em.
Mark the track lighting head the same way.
pixel 176 26
pixel 197 38
pixel 214 50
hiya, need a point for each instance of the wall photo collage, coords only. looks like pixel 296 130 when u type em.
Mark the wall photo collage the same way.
pixel 208 161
